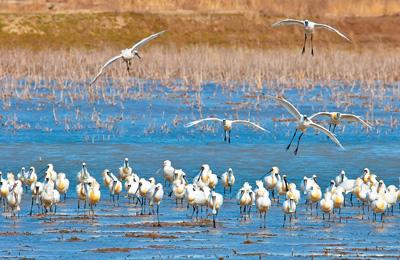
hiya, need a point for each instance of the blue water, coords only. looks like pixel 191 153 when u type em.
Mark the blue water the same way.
pixel 141 127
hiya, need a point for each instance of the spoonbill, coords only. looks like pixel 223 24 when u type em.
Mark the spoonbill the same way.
pixel 156 199
pixel 125 170
pixel 228 180
pixel 336 118
pixel 127 55
pixel 226 124
pixel 303 123
pixel 215 202
pixel 309 29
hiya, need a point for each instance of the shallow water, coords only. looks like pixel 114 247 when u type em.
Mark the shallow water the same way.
pixel 143 130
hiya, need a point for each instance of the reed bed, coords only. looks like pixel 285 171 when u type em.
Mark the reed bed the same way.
pixel 57 82
pixel 194 66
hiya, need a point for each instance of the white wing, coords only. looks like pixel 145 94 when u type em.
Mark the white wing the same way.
pixel 354 118
pixel 145 40
pixel 330 28
pixel 104 66
pixel 250 123
pixel 201 120
pixel 289 107
pixel 327 132
pixel 319 114
pixel 288 22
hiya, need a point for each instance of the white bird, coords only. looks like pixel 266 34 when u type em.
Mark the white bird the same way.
pixel 62 184
pixel 127 54
pixel 36 189
pixel 156 199
pixel 179 186
pixel 303 123
pixel 226 124
pixel 326 205
pixel 308 183
pixel 379 206
pixel 131 186
pixel 83 174
pixel 215 202
pixel 202 179
pixel 125 170
pixel 228 180
pixel 309 28
pixel 245 200
pixel 336 118
pixel 14 197
pixel 50 172
pixel 289 208
pixel 263 202
pixel 50 196
pixel 270 181
pixel 106 178
pixel 93 194
pixel 168 172
pixel 115 187
pixel 143 188
pixel 32 176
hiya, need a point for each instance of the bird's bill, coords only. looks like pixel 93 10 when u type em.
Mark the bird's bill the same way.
pixel 140 185
pixel 85 188
pixel 200 173
pixel 137 54
pixel 184 177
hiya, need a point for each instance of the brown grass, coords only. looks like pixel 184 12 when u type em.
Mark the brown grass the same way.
pixel 120 30
pixel 196 65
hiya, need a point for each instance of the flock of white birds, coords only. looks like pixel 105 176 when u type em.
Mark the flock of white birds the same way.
pixel 47 194
pixel 48 190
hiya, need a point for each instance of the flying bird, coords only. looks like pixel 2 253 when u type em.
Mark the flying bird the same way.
pixel 336 118
pixel 227 125
pixel 127 55
pixel 303 123
pixel 309 28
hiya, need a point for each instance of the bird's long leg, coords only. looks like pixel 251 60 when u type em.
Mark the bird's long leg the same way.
pixel 284 219
pixel 31 207
pixel 291 140
pixel 334 127
pixel 158 217
pixel 127 65
pixel 312 47
pixel 224 135
pixel 304 46
pixel 330 126
pixel 298 143
pixel 229 136
pixel 214 221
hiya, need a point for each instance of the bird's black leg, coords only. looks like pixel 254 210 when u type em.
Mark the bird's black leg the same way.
pixel 298 143
pixel 334 127
pixel 224 135
pixel 30 213
pixel 304 46
pixel 287 148
pixel 229 136
pixel 158 217
pixel 127 65
pixel 312 47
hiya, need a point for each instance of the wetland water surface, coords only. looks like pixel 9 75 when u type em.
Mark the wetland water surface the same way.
pixel 148 129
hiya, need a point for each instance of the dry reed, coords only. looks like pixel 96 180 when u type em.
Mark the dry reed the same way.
pixel 195 65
